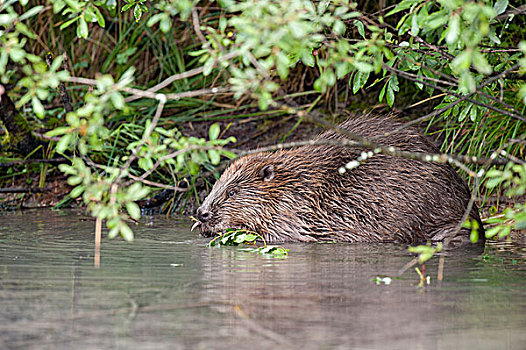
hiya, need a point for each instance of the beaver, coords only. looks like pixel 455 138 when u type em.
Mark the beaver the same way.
pixel 300 195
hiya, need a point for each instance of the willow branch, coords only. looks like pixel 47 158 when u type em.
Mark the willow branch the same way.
pixel 184 75
pixel 456 159
pixel 156 184
pixel 29 161
pixel 152 95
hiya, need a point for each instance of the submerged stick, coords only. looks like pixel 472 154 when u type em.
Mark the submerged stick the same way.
pixel 441 261
pixel 98 234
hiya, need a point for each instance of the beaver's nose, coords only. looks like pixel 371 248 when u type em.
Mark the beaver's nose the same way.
pixel 203 214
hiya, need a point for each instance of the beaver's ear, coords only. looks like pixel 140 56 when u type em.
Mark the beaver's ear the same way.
pixel 267 173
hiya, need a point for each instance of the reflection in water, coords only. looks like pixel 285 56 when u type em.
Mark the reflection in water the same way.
pixel 167 290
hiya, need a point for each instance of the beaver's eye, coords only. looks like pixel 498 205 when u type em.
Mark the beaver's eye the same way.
pixel 231 192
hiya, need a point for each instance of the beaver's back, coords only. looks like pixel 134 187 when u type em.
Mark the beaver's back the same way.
pixel 392 198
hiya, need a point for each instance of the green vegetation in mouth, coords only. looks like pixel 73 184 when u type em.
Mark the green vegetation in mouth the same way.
pixel 236 237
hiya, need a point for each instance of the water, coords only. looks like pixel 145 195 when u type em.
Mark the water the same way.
pixel 167 290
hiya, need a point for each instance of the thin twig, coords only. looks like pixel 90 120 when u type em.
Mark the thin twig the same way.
pixel 152 95
pixel 29 161
pixel 197 28
pixel 156 184
pixel 407 266
pixel 434 48
pixel 316 118
pixel 184 75
pixel 24 190
pixel 456 159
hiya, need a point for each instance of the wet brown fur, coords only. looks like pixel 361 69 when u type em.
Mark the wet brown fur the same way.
pixel 299 195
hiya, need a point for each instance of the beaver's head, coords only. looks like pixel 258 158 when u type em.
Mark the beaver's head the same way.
pixel 243 198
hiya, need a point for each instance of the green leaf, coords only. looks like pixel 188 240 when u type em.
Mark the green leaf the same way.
pixel 490 233
pixel 273 250
pixel 493 37
pixel 77 191
pixel 464 113
pixel 126 232
pixel 17 54
pixel 133 210
pixel 382 93
pixel 356 82
pixel 390 95
pixel 113 233
pixel 137 13
pixel 437 19
pixel 240 238
pixel 307 58
pixel 453 29
pixel 215 157
pixel 74 180
pixel 342 69
pixel 82 28
pixel 298 29
pixel 68 23
pixel 67 169
pixel 250 237
pixel 500 6
pixel 136 192
pixel 282 65
pixel 391 88
pixel 31 12
pixel 117 100
pixel 145 163
pixel 111 6
pixel 166 24
pixel 264 100
pixel 360 27
pixel 505 231
pixel 462 62
pixel 213 132
pixel 480 63
pixel 401 6
pixel 339 27
pixel 209 65
pixel 127 6
pixel 89 15
pixel 100 18
pixel 466 83
pixel 474 236
pixel 37 107
pixel 473 113
pixel 363 67
pixel 58 5
pixel 415 29
pixel 3 62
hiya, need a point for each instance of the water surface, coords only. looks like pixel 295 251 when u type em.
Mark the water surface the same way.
pixel 167 290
